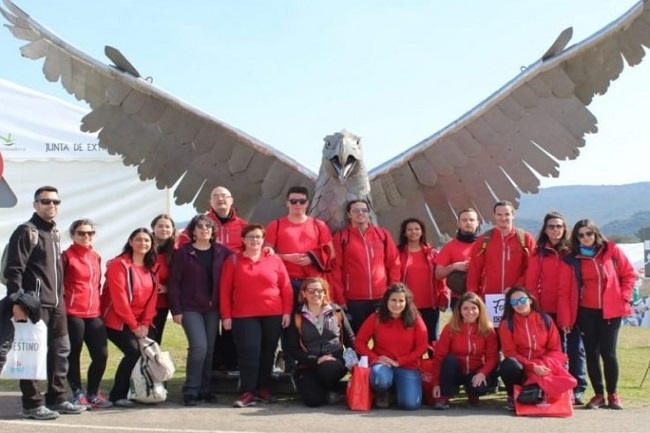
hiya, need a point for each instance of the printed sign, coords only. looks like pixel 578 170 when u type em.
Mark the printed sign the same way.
pixel 495 305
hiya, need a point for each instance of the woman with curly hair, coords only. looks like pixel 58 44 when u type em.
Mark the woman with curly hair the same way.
pixel 399 338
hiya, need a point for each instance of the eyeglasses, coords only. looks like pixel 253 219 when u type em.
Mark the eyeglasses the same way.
pixel 520 301
pixel 204 226
pixel 299 201
pixel 219 196
pixel 85 233
pixel 584 234
pixel 253 237
pixel 313 291
pixel 359 210
pixel 48 201
pixel 554 226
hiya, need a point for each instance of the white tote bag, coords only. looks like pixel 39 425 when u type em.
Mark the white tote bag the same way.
pixel 158 363
pixel 27 358
pixel 143 388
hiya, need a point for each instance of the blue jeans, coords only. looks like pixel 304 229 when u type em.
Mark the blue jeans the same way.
pixel 575 350
pixel 201 332
pixel 406 381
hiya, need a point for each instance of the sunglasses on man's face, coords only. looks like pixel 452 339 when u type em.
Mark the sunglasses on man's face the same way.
pixel 48 201
pixel 299 201
pixel 519 301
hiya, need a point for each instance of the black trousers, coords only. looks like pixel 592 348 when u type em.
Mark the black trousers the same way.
pixel 256 339
pixel 159 322
pixel 92 332
pixel 600 338
pixel 314 382
pixel 360 310
pixel 57 362
pixel 126 341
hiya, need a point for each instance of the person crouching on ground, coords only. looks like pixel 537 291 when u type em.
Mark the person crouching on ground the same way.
pixel 466 354
pixel 129 306
pixel 529 341
pixel 316 339
pixel 399 341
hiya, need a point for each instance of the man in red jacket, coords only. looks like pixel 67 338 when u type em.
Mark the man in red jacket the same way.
pixel 366 262
pixel 303 243
pixel 455 255
pixel 227 224
pixel 499 257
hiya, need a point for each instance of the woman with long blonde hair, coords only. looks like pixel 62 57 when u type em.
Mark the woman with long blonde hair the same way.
pixel 466 353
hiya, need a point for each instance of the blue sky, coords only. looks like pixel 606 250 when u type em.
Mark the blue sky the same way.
pixel 291 72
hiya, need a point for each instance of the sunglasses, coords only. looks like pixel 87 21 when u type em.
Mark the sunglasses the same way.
pixel 255 237
pixel 300 201
pixel 204 226
pixel 313 291
pixel 359 210
pixel 85 233
pixel 554 226
pixel 584 234
pixel 48 201
pixel 520 301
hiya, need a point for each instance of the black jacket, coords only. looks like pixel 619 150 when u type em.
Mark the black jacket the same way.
pixel 36 269
pixel 308 345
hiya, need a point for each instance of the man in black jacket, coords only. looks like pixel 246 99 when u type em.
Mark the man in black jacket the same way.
pixel 36 267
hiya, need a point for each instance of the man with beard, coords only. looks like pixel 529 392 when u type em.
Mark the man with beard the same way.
pixel 452 261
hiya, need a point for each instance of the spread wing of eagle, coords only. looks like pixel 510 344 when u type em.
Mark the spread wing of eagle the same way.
pixel 496 151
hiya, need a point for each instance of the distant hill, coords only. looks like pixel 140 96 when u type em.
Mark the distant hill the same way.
pixel 617 209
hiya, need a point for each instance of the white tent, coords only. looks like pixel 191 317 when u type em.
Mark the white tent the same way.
pixel 41 144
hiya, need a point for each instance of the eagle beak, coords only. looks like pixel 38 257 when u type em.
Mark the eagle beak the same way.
pixel 343 170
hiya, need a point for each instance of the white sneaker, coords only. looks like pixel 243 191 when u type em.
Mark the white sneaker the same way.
pixel 40 413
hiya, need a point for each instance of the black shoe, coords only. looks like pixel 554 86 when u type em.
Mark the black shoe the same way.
pixel 208 398
pixel 189 400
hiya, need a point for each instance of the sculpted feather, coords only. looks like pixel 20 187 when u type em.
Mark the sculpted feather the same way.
pixel 496 151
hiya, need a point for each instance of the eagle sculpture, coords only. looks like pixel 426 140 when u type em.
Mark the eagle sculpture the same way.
pixel 495 151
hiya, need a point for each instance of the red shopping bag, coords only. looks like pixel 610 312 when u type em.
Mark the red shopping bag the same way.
pixel 426 367
pixel 358 393
pixel 560 406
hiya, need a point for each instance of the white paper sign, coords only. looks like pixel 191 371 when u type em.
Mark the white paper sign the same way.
pixel 495 305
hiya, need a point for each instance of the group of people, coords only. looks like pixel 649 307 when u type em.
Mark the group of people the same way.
pixel 239 289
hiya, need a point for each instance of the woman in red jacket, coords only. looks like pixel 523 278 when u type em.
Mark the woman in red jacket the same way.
pixel 529 341
pixel 595 292
pixel 467 353
pixel 399 338
pixel 81 286
pixel 543 279
pixel 129 306
pixel 255 301
pixel 430 295
pixel 164 233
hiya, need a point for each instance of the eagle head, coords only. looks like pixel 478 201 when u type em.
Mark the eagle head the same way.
pixel 342 154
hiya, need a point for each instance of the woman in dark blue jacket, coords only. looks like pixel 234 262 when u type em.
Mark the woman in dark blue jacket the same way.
pixel 193 300
pixel 316 339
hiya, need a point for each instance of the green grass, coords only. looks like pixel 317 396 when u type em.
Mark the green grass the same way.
pixel 633 354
